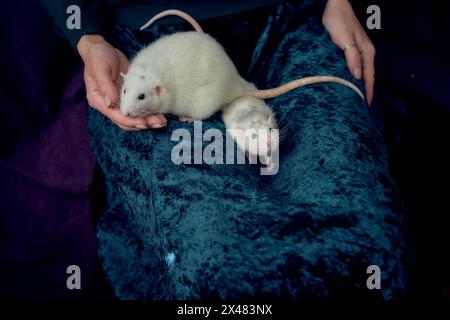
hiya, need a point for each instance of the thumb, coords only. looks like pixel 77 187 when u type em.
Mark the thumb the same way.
pixel 103 76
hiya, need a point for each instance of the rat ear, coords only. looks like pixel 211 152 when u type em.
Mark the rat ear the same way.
pixel 122 74
pixel 160 90
pixel 269 119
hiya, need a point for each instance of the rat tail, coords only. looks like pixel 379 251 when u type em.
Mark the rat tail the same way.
pixel 174 12
pixel 275 92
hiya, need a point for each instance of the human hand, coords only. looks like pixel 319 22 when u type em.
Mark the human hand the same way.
pixel 344 28
pixel 102 67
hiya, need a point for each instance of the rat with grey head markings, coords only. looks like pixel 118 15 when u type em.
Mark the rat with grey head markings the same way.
pixel 189 74
pixel 250 122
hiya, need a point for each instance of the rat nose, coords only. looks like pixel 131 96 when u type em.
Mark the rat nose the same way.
pixel 269 143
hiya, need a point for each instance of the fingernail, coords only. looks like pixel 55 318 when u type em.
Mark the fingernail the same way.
pixel 158 125
pixel 357 73
pixel 140 126
pixel 107 102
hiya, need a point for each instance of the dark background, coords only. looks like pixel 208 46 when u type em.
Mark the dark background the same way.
pixel 412 108
pixel 41 79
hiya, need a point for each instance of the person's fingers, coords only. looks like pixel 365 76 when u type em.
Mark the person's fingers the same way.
pixel 368 58
pixel 126 123
pixel 96 100
pixel 93 95
pixel 123 61
pixel 342 37
pixel 127 128
pixel 353 59
pixel 156 121
pixel 105 81
pixel 369 80
pixel 122 68
pixel 115 115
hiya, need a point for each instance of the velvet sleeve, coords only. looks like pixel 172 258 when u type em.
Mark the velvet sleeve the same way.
pixel 324 3
pixel 92 15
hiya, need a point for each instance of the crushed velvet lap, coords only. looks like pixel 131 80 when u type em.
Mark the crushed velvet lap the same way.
pixel 224 231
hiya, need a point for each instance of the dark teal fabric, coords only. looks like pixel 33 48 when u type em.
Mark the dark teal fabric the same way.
pixel 224 231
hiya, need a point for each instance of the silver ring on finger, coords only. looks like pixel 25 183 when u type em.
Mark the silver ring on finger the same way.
pixel 349 46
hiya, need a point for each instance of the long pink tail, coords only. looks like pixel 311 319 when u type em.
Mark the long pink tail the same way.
pixel 174 12
pixel 275 92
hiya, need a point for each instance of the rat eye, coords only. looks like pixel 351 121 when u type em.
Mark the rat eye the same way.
pixel 254 136
pixel 124 91
pixel 141 96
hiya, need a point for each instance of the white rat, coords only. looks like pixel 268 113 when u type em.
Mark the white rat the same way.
pixel 252 125
pixel 189 74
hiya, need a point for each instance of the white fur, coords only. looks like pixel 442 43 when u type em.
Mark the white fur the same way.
pixel 198 76
pixel 247 115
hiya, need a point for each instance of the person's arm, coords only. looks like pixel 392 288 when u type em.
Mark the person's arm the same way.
pixel 345 30
pixel 90 15
pixel 102 62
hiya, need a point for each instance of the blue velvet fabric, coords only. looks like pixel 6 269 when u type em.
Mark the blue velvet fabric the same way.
pixel 224 231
